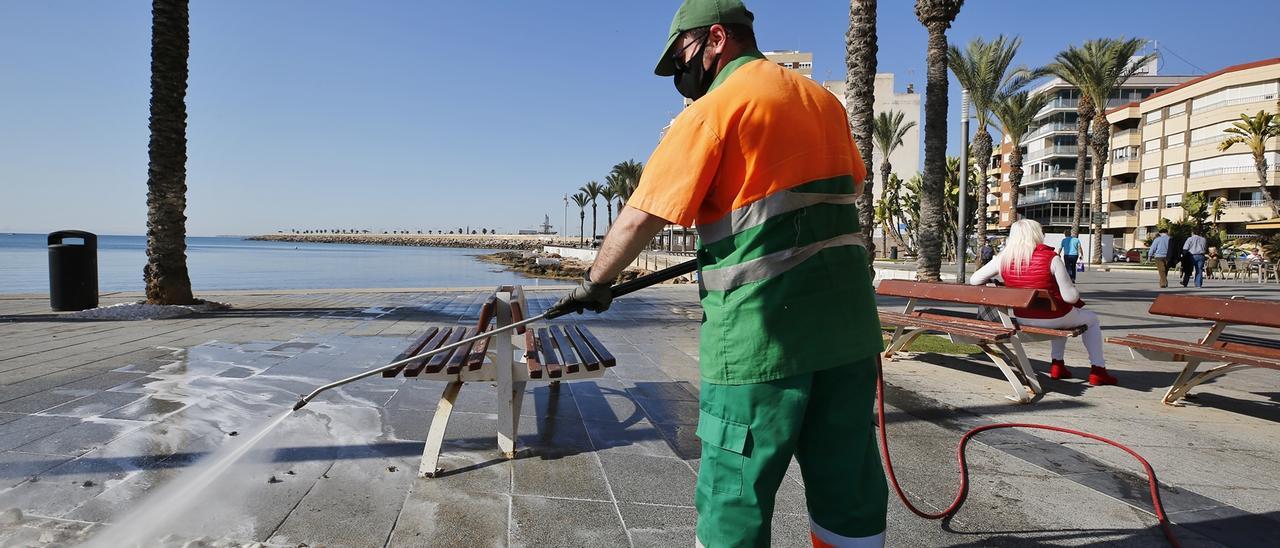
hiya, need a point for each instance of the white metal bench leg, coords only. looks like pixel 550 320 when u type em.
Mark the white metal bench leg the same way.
pixel 899 343
pixel 1181 385
pixel 435 436
pixel 510 393
pixel 1025 365
pixel 1001 360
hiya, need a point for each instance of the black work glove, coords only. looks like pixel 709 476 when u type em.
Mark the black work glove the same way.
pixel 589 295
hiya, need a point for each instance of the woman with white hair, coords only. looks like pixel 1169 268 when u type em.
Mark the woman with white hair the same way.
pixel 1025 262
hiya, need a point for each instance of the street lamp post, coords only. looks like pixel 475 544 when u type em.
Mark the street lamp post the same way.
pixel 564 228
pixel 961 237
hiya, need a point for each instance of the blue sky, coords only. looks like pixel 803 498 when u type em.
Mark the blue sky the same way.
pixel 429 114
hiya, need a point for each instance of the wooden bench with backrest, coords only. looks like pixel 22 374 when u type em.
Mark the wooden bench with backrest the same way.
pixel 1000 340
pixel 509 359
pixel 1233 351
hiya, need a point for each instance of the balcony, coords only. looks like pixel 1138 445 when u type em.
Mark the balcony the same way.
pixel 1059 150
pixel 1048 129
pixel 1126 137
pixel 1124 166
pixel 1046 175
pixel 1040 197
pixel 1122 219
pixel 1060 103
pixel 1124 193
pixel 1242 211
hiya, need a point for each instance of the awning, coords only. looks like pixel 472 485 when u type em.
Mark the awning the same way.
pixel 1269 224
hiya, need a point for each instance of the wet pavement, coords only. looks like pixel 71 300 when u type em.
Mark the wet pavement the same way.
pixel 99 418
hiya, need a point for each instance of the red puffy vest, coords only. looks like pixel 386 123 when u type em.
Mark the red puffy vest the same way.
pixel 1037 274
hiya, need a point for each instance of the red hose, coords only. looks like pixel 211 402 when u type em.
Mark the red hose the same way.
pixel 964 467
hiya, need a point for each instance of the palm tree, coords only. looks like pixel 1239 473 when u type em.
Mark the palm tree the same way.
pixel 860 59
pixel 630 172
pixel 608 191
pixel 165 275
pixel 592 190
pixel 1016 111
pixel 936 16
pixel 581 200
pixel 1253 132
pixel 888 132
pixel 983 69
pixel 1098 68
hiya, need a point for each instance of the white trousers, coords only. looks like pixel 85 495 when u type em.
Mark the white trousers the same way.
pixel 1078 316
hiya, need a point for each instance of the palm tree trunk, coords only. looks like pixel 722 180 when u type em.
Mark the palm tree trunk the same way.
pixel 165 274
pixel 593 222
pixel 1084 113
pixel 1260 164
pixel 1015 180
pixel 582 226
pixel 981 152
pixel 609 215
pixel 860 51
pixel 932 224
pixel 1100 142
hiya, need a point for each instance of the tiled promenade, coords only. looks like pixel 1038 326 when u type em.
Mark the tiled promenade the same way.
pixel 95 414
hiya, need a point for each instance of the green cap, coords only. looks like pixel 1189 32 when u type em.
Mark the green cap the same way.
pixel 695 14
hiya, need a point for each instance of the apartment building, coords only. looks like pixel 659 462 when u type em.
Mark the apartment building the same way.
pixel 1047 192
pixel 1167 145
pixel 906 158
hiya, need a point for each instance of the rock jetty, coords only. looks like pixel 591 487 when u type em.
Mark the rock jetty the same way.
pixel 474 241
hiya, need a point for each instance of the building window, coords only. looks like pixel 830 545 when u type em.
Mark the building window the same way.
pixel 1173 170
pixel 1173 200
pixel 1150 203
pixel 1151 174
pixel 1174 141
pixel 1004 216
pixel 806 65
pixel 1177 110
pixel 1151 146
pixel 1153 117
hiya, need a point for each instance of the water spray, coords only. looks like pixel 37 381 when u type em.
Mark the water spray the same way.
pixel 618 290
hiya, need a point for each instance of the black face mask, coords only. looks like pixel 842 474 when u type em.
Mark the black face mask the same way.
pixel 692 80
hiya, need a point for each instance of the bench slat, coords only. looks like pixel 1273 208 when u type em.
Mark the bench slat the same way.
pixel 934 313
pixel 1181 350
pixel 589 358
pixel 410 350
pixel 460 354
pixel 948 327
pixel 414 368
pixel 568 356
pixel 531 355
pixel 1011 297
pixel 436 364
pixel 1237 311
pixel 517 307
pixel 606 359
pixel 548 353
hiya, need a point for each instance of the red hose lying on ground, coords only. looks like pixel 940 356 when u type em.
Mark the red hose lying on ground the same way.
pixel 964 467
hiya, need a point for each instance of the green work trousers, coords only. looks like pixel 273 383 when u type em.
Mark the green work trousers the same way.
pixel 749 433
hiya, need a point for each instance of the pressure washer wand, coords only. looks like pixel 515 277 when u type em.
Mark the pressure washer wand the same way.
pixel 617 290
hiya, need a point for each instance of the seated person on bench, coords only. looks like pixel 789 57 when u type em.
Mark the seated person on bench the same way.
pixel 1025 262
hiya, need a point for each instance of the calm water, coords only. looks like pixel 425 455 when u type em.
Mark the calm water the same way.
pixel 232 263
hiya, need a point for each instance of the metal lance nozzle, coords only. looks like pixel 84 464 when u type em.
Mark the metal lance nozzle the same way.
pixel 617 291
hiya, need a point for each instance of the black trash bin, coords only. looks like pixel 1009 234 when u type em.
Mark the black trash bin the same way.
pixel 73 270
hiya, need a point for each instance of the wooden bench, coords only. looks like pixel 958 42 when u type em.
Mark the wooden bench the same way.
pixel 510 359
pixel 1231 350
pixel 1002 340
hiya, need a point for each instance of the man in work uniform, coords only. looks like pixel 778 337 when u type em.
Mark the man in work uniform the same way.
pixel 764 164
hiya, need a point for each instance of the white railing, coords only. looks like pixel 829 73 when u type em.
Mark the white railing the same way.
pixel 1060 174
pixel 1046 196
pixel 1059 150
pixel 1220 171
pixel 1237 101
pixel 1246 203
pixel 1047 129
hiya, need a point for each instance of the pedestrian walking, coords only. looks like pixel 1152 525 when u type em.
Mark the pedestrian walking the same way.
pixel 1070 251
pixel 1159 254
pixel 1196 246
pixel 764 164
pixel 986 254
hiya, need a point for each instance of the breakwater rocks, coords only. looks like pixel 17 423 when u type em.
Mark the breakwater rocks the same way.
pixel 476 241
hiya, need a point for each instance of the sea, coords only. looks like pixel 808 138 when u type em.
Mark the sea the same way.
pixel 219 263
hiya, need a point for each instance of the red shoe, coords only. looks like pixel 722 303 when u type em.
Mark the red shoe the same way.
pixel 1098 376
pixel 1058 370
